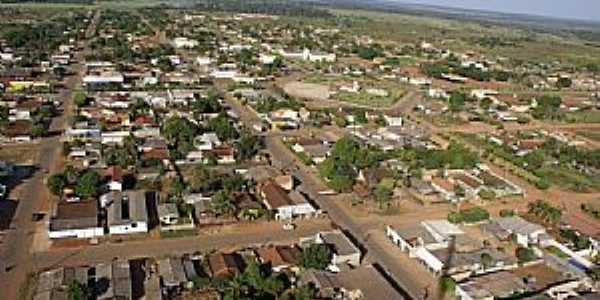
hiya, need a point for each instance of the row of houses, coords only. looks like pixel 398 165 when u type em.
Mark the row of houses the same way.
pixel 173 276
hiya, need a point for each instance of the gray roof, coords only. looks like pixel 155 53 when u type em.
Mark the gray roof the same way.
pixel 75 215
pixel 172 271
pixel 518 225
pixel 413 232
pixel 341 243
pixel 456 259
pixel 367 279
pixel 126 207
pixel 319 150
pixel 114 279
pixel 167 209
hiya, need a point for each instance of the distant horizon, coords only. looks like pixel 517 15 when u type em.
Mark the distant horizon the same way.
pixel 583 10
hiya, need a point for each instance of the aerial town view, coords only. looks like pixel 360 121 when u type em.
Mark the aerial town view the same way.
pixel 298 150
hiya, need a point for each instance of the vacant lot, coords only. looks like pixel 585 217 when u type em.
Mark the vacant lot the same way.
pixel 369 100
pixel 308 91
pixel 18 154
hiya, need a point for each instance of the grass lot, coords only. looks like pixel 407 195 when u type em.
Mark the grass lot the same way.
pixel 588 116
pixel 365 99
pixel 177 233
pixel 569 179
pixel 560 176
pixel 557 252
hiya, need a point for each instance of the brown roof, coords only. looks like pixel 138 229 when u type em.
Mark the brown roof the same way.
pixel 115 173
pixel 224 265
pixel 223 151
pixel 278 256
pixel 443 183
pixel 19 128
pixel 274 195
pixel 76 210
pixel 156 154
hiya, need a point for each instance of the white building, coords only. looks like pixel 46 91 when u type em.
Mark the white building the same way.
pixel 284 205
pixel 75 220
pixel 183 42
pixel 126 212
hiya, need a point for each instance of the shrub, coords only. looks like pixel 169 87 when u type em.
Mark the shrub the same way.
pixel 525 254
pixel 507 213
pixel 471 215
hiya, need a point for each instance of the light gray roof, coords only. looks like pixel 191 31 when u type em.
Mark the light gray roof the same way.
pixel 167 209
pixel 413 232
pixel 518 225
pixel 126 207
pixel 341 243
pixel 172 271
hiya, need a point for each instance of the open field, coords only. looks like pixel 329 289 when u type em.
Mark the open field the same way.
pixel 467 36
pixel 366 99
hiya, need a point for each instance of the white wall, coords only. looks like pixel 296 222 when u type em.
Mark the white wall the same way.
pixel 128 228
pixel 77 233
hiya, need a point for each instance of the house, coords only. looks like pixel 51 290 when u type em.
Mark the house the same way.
pixel 19 131
pixel 344 251
pixel 172 272
pixel 168 213
pixel 126 212
pixel 76 220
pixel 418 240
pixel 393 121
pixel 279 258
pixel 183 42
pixel 225 265
pixel 207 141
pixel 115 183
pixel 526 233
pixel 113 280
pixel 224 154
pixel 364 282
pixel 284 205
pixel 497 285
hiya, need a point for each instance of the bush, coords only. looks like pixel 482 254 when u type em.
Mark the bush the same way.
pixel 316 256
pixel 507 213
pixel 447 285
pixel 487 194
pixel 525 254
pixel 542 184
pixel 472 215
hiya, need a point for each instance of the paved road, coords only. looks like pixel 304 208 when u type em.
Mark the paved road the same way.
pixel 312 184
pixel 16 262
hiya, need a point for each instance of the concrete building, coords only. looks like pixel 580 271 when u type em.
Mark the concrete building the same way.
pixel 126 212
pixel 76 220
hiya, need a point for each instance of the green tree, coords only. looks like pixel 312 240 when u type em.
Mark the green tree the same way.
pixel 223 127
pixel 564 82
pixel 56 183
pixel 547 107
pixel 525 254
pixel 222 203
pixel 247 145
pixel 80 98
pixel 447 285
pixel 88 184
pixel 383 195
pixel 486 260
pixel 78 291
pixel 316 256
pixel 456 101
